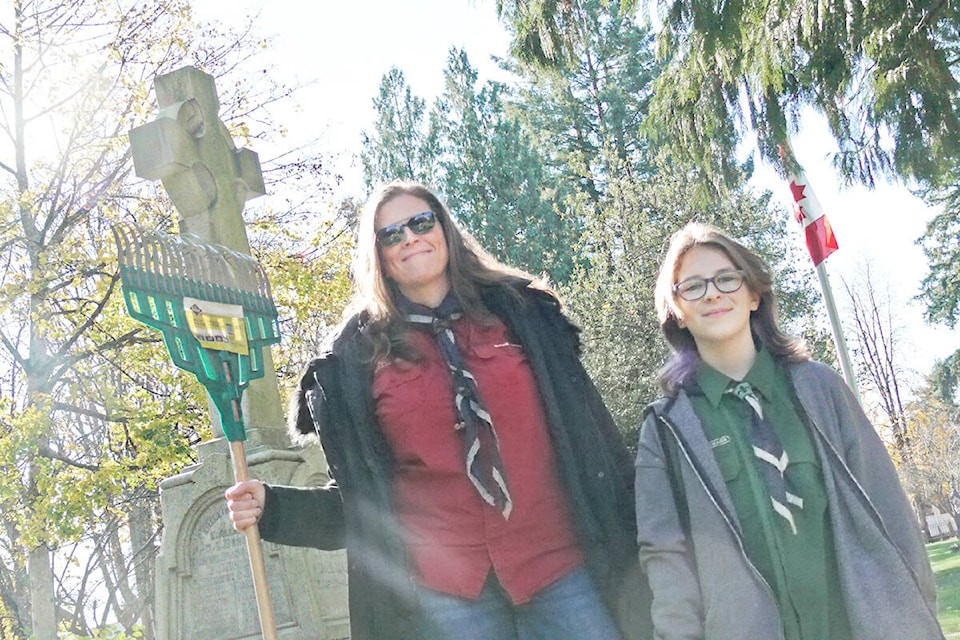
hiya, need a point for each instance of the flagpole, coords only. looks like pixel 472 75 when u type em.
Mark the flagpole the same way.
pixel 821 243
pixel 838 340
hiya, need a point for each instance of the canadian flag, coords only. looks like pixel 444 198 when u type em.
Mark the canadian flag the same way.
pixel 806 210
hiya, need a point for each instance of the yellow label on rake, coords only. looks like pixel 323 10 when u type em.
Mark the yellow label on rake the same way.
pixel 216 325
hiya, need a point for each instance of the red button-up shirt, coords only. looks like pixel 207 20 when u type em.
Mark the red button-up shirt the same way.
pixel 453 536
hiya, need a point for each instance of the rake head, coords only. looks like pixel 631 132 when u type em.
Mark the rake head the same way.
pixel 212 305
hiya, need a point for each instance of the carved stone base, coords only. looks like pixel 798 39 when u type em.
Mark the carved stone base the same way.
pixel 204 584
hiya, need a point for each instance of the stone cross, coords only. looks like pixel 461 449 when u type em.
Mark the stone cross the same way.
pixel 209 181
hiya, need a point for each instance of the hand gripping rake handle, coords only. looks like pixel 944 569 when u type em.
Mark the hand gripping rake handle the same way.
pixel 258 567
pixel 161 275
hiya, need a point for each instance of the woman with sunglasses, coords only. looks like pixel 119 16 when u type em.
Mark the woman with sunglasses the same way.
pixel 481 487
pixel 767 506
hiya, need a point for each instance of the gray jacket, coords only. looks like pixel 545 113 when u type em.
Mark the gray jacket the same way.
pixel 703 584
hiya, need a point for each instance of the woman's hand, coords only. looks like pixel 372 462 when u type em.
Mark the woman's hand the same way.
pixel 245 503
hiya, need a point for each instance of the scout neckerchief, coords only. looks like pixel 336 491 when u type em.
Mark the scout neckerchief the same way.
pixel 481 446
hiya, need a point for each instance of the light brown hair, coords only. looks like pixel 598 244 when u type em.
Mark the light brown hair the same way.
pixel 757 276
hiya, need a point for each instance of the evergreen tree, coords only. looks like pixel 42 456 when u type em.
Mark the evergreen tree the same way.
pixel 402 145
pixel 590 110
pixel 944 380
pixel 545 32
pixel 495 182
pixel 940 288
pixel 880 72
pixel 884 74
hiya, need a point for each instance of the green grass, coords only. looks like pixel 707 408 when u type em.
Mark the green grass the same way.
pixel 946 569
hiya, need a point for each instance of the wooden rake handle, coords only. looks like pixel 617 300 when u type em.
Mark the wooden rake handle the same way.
pixel 255 551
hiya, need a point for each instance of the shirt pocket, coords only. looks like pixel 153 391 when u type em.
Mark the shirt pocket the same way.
pixel 415 410
pixel 399 390
pixel 728 458
pixel 806 478
pixel 498 366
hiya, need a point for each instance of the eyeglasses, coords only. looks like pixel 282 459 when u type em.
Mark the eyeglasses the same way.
pixel 692 289
pixel 419 224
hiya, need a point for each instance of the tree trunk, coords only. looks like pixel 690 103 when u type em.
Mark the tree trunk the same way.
pixel 39 565
pixel 43 613
pixel 142 536
pixel 921 509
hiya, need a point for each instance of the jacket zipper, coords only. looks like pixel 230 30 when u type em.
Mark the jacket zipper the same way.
pixel 723 514
pixel 866 498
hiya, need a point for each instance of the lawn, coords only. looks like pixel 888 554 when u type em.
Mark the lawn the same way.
pixel 946 568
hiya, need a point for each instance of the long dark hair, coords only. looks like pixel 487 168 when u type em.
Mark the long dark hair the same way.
pixel 758 277
pixel 469 269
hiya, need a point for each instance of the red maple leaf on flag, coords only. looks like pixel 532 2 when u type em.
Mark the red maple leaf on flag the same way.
pixel 797 191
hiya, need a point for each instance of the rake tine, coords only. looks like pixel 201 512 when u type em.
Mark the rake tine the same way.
pixel 235 269
pixel 196 257
pixel 222 275
pixel 233 290
pixel 149 255
pixel 259 280
pixel 177 269
pixel 125 232
pixel 130 240
pixel 211 274
pixel 262 293
pixel 136 252
pixel 170 256
pixel 194 264
pixel 142 253
pixel 241 269
pixel 263 286
pixel 201 277
pixel 162 263
pixel 121 240
pixel 173 257
pixel 191 266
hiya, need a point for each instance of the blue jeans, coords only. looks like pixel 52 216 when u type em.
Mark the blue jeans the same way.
pixel 568 609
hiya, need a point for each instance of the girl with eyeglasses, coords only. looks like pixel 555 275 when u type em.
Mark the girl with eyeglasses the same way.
pixel 480 486
pixel 767 506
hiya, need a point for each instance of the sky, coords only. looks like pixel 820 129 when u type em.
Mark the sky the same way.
pixel 340 51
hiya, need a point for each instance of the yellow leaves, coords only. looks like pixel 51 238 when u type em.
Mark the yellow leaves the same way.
pixel 8 630
pixel 111 632
pixel 68 458
pixel 929 461
pixel 314 281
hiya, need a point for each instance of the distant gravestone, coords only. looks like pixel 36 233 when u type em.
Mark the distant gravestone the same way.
pixel 204 587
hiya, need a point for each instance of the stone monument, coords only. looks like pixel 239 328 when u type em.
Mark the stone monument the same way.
pixel 204 590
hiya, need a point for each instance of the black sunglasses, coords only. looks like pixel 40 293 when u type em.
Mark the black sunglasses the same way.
pixel 420 224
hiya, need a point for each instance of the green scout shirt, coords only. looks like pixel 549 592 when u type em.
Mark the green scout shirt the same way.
pixel 800 568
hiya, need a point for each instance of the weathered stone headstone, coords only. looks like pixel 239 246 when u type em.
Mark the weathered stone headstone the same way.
pixel 204 588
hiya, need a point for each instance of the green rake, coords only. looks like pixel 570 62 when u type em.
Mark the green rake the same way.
pixel 214 309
